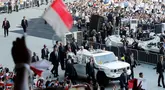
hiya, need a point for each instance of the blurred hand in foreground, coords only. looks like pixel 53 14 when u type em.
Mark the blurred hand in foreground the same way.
pixel 20 52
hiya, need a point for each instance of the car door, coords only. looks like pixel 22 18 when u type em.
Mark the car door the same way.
pixel 80 66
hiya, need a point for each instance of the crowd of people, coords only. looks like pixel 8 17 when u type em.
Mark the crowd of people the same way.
pixel 16 5
pixel 82 12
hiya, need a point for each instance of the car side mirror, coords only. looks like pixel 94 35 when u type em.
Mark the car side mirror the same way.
pixel 117 58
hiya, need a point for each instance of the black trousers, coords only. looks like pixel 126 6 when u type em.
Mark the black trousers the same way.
pixel 132 72
pixel 124 87
pixel 24 29
pixel 6 32
pixel 62 64
pixel 72 78
pixel 91 77
pixel 161 76
pixel 55 70
pixel 10 9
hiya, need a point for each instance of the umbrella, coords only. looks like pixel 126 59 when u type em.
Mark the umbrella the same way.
pixel 42 64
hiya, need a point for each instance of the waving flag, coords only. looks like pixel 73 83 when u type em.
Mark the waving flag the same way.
pixel 58 17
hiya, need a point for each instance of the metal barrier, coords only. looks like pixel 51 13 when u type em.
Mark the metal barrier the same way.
pixel 143 56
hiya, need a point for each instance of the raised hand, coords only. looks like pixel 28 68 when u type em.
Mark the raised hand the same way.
pixel 20 52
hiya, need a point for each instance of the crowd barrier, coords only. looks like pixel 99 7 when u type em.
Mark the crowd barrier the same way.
pixel 139 55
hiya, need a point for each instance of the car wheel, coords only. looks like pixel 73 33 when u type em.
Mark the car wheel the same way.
pixel 102 79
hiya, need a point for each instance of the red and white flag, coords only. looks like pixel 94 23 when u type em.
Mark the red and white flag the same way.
pixel 58 17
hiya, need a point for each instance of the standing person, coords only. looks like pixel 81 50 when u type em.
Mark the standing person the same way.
pixel 24 24
pixel 124 80
pixel 9 7
pixel 74 46
pixel 16 5
pixel 38 4
pixel 61 55
pixel 70 71
pixel 160 70
pixel 45 12
pixel 132 64
pixel 35 57
pixel 79 25
pixel 6 26
pixel 142 81
pixel 54 58
pixel 90 72
pixel 44 53
pixel 46 2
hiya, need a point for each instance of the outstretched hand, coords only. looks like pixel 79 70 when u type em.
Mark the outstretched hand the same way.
pixel 20 52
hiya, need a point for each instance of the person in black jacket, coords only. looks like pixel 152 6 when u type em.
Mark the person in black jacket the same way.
pixel 161 50
pixel 24 24
pixel 44 53
pixel 132 63
pixel 54 58
pixel 70 71
pixel 6 26
pixel 90 72
pixel 35 57
pixel 61 55
pixel 74 46
pixel 160 70
pixel 124 80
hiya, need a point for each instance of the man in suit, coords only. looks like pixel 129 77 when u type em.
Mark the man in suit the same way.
pixel 54 58
pixel 90 72
pixel 24 24
pixel 35 57
pixel 44 53
pixel 160 70
pixel 132 63
pixel 9 6
pixel 61 55
pixel 124 80
pixel 6 26
pixel 74 46
pixel 70 71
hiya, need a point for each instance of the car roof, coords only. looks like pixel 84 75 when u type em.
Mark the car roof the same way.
pixel 97 52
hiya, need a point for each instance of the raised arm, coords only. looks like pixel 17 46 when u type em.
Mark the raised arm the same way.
pixel 21 58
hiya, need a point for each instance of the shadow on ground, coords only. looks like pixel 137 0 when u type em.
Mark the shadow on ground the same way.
pixel 38 28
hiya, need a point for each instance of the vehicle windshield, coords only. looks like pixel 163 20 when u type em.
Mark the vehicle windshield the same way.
pixel 105 58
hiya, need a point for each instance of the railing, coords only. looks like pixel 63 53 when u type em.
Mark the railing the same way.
pixel 142 56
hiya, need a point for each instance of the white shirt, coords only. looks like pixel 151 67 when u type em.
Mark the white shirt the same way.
pixel 87 19
pixel 77 14
pixel 144 83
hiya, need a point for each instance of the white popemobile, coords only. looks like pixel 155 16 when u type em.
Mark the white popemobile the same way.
pixel 104 61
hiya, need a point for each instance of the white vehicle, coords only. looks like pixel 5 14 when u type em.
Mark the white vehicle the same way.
pixel 150 45
pixel 115 40
pixel 104 61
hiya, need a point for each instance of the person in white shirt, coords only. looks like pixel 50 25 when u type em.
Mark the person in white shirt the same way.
pixel 87 21
pixel 143 81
